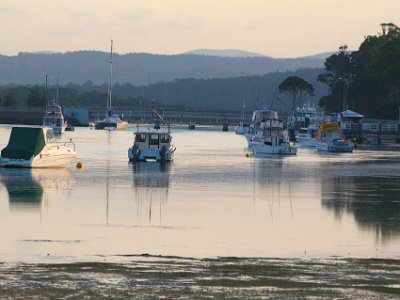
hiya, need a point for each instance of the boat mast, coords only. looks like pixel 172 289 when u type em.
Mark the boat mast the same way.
pixel 47 99
pixel 58 80
pixel 109 107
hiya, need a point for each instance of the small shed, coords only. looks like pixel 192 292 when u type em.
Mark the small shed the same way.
pixel 351 116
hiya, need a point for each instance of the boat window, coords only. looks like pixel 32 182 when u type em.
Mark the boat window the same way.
pixel 154 139
pixel 140 138
pixel 164 138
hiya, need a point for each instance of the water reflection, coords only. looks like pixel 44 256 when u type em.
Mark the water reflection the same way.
pixel 151 174
pixel 151 182
pixel 27 189
pixel 374 202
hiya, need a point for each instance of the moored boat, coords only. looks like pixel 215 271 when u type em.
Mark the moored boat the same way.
pixel 242 128
pixel 54 118
pixel 111 121
pixel 330 139
pixel 36 147
pixel 271 138
pixel 152 144
pixel 191 126
pixel 306 137
pixel 272 141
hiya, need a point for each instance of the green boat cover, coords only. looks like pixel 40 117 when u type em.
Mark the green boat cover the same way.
pixel 24 143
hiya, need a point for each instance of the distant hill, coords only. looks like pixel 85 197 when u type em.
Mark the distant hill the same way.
pixel 140 68
pixel 224 53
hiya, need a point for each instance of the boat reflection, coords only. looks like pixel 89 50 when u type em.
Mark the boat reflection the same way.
pixel 374 202
pixel 27 189
pixel 151 182
pixel 151 174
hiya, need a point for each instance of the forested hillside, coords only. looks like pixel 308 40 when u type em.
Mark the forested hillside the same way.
pixel 366 80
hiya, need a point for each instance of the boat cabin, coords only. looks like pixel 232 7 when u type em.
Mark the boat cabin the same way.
pixel 152 144
pixel 329 132
pixel 152 139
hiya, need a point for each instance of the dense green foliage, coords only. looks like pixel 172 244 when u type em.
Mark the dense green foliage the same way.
pixel 9 100
pixel 366 80
pixel 297 88
pixel 37 97
pixel 199 94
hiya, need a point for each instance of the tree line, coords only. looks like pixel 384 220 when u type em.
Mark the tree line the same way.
pixel 366 80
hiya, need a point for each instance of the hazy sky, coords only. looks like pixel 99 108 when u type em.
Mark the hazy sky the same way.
pixel 279 28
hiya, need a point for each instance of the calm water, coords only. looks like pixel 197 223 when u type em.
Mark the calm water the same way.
pixel 212 224
pixel 211 201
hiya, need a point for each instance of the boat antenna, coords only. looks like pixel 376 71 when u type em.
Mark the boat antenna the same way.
pixel 158 115
pixel 109 106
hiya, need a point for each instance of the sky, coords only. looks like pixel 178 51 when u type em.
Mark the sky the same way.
pixel 277 28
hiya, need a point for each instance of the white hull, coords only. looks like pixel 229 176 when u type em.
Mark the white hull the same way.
pixel 307 142
pixel 260 147
pixel 151 154
pixel 240 130
pixel 341 147
pixel 52 156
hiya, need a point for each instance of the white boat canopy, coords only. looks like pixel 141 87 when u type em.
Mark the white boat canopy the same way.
pixel 351 114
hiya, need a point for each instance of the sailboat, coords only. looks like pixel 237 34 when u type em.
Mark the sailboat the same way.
pixel 242 127
pixel 111 121
pixel 53 116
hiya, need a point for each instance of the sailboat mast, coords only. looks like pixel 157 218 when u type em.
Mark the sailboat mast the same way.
pixel 109 106
pixel 47 99
pixel 58 82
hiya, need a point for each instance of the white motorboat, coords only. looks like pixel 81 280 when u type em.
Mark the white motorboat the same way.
pixel 330 139
pixel 271 138
pixel 111 121
pixel 258 120
pixel 306 137
pixel 272 141
pixel 54 118
pixel 242 128
pixel 303 117
pixel 36 147
pixel 152 144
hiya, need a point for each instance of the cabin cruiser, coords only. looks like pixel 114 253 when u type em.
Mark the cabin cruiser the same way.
pixel 54 118
pixel 258 121
pixel 330 139
pixel 270 137
pixel 36 147
pixel 303 117
pixel 306 136
pixel 152 144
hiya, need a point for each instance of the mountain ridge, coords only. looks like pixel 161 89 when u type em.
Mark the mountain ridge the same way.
pixel 139 68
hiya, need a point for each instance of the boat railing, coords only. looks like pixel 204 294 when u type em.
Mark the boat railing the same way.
pixel 69 144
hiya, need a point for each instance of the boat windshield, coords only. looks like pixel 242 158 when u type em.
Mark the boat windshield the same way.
pixel 140 138
pixel 153 139
pixel 164 138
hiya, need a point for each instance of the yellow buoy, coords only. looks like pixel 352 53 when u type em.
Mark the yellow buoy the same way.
pixel 79 165
pixel 247 154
